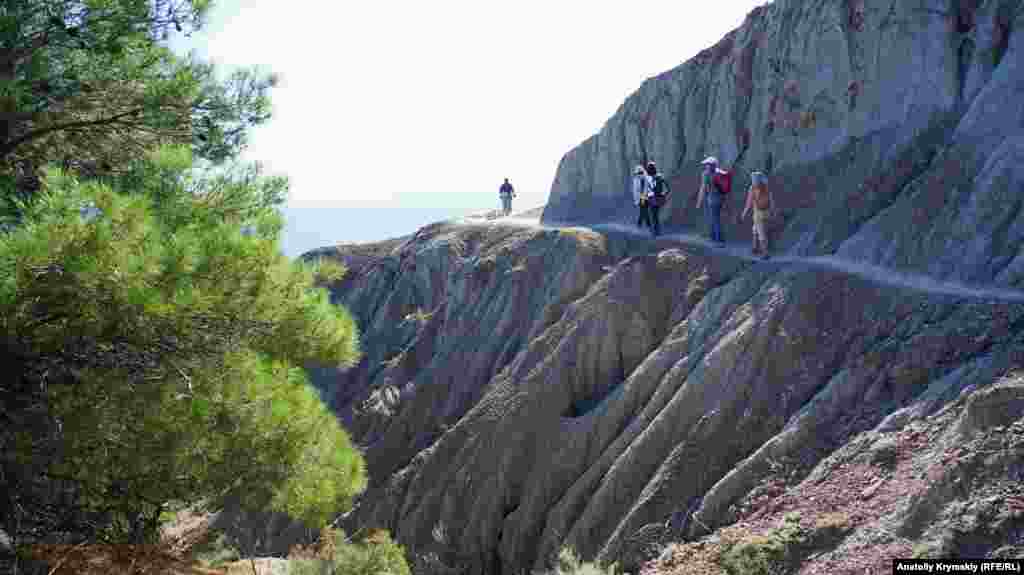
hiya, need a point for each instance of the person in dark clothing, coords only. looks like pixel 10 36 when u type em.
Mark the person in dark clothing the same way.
pixel 506 192
pixel 640 196
pixel 659 192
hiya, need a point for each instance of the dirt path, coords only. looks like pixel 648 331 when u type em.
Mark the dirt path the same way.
pixel 875 274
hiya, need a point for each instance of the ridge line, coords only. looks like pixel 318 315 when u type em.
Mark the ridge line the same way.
pixel 870 272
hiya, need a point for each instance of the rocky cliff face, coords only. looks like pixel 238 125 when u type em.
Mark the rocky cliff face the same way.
pixel 891 131
pixel 526 387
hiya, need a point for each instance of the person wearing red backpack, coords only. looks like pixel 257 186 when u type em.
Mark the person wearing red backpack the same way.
pixel 715 185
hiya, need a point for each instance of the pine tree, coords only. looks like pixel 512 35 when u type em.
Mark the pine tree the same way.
pixel 154 333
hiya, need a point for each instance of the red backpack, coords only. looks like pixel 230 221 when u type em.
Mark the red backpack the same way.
pixel 723 181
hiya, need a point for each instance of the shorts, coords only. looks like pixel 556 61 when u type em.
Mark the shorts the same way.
pixel 760 225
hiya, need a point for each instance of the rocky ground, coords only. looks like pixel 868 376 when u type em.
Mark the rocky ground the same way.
pixel 639 392
pixel 947 485
pixel 527 387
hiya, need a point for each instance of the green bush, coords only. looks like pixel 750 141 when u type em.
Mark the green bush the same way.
pixel 569 563
pixel 376 554
pixel 766 554
pixel 215 550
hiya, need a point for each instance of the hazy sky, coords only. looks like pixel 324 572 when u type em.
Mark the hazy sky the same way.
pixel 431 104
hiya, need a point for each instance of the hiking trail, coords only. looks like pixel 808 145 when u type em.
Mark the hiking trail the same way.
pixel 876 274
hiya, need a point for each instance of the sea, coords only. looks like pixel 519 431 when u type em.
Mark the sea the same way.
pixel 309 228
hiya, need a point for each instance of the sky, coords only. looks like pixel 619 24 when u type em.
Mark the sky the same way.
pixel 429 105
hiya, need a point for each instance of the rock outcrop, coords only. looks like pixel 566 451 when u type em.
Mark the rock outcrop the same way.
pixel 525 387
pixel 633 388
pixel 892 132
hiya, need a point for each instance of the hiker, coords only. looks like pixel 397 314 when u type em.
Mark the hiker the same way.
pixel 658 189
pixel 715 184
pixel 506 192
pixel 640 192
pixel 761 202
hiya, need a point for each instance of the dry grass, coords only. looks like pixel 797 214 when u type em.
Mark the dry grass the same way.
pixel 116 560
pixel 832 520
pixel 587 239
pixel 698 557
pixel 173 555
pixel 570 564
pixel 419 316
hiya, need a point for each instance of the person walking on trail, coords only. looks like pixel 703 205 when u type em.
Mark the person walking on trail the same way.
pixel 762 204
pixel 712 196
pixel 658 193
pixel 641 190
pixel 506 192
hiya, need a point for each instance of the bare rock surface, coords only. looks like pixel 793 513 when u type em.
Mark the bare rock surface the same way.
pixel 528 385
pixel 891 132
pixel 653 388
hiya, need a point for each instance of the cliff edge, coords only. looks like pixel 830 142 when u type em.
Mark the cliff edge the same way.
pixel 529 385
pixel 891 131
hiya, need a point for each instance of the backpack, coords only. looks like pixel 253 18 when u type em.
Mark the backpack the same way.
pixel 658 189
pixel 722 181
pixel 762 200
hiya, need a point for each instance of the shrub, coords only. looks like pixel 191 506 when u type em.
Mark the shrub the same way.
pixel 419 316
pixel 569 563
pixel 215 550
pixel 766 554
pixel 335 554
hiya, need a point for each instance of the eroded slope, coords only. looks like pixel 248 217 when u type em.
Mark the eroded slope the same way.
pixel 653 388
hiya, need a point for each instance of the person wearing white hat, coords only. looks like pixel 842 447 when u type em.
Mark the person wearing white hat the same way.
pixel 713 205
pixel 640 193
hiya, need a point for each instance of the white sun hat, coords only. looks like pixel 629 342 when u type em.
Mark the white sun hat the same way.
pixel 710 160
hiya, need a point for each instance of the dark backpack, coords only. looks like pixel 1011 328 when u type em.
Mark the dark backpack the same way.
pixel 722 181
pixel 659 189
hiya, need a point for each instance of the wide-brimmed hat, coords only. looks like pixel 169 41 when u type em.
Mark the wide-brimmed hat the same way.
pixel 710 160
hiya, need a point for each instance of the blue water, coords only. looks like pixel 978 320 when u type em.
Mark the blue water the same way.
pixel 310 228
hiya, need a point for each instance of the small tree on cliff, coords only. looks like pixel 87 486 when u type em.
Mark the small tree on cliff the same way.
pixel 151 345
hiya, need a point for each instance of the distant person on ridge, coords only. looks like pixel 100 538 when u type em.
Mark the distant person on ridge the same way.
pixel 658 195
pixel 506 192
pixel 640 193
pixel 761 202
pixel 714 186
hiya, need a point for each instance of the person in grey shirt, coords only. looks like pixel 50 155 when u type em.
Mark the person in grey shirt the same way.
pixel 641 190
